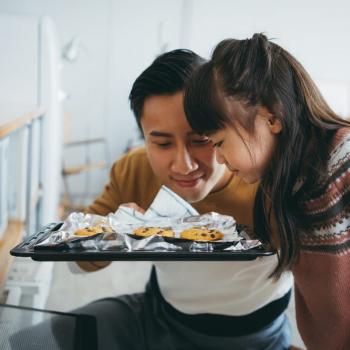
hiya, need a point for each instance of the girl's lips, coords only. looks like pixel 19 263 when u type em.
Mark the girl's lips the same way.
pixel 234 171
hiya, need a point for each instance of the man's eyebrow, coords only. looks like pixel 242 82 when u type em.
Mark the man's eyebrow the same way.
pixel 161 133
pixel 168 134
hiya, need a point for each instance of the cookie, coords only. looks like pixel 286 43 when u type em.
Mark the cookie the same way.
pixel 201 234
pixel 150 231
pixel 93 230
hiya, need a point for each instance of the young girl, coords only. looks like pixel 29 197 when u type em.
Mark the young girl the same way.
pixel 269 122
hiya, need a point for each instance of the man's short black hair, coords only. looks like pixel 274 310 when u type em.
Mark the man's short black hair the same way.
pixel 167 75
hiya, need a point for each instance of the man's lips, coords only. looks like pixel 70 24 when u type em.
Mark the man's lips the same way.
pixel 188 182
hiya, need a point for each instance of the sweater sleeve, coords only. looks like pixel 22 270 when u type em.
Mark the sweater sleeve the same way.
pixel 131 180
pixel 322 273
pixel 110 199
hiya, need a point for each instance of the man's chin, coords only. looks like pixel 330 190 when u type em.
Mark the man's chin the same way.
pixel 189 195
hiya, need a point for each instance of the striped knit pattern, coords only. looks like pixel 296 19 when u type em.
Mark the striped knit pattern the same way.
pixel 322 273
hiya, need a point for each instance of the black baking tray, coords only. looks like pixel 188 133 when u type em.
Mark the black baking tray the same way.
pixel 26 249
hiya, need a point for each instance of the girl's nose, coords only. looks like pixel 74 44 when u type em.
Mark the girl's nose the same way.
pixel 219 157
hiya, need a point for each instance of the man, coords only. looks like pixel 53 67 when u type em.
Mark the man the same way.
pixel 187 305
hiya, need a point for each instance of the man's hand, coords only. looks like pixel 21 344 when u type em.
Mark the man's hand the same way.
pixel 135 206
pixel 91 266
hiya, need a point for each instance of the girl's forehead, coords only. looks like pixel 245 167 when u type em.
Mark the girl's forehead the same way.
pixel 238 110
pixel 216 134
pixel 234 103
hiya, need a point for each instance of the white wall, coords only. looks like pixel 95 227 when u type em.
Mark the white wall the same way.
pixel 140 31
pixel 316 32
pixel 121 38
pixel 21 33
pixel 85 79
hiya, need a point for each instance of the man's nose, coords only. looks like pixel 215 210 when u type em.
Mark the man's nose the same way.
pixel 183 162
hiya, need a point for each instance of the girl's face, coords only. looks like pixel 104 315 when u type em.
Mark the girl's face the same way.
pixel 248 155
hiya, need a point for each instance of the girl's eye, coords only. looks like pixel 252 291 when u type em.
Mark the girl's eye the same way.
pixel 218 144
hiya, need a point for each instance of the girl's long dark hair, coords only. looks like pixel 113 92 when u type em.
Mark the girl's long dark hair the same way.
pixel 258 73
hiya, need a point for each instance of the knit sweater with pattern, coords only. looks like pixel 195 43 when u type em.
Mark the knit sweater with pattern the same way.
pixel 322 272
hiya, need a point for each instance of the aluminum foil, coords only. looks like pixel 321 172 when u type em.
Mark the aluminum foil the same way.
pixel 122 236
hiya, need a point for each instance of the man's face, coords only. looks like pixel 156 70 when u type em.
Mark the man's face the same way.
pixel 183 160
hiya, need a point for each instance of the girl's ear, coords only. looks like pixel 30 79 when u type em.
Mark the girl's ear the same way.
pixel 274 124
